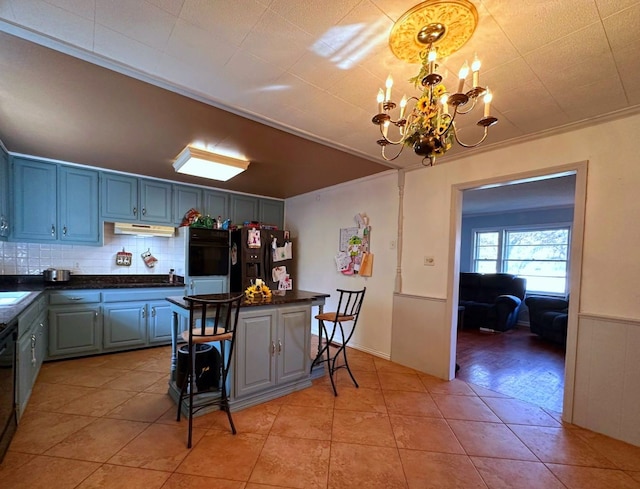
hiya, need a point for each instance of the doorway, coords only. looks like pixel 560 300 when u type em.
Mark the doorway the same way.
pixel 519 198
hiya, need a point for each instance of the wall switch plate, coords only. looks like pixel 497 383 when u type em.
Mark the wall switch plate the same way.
pixel 429 261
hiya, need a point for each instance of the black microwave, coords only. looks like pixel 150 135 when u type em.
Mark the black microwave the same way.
pixel 208 252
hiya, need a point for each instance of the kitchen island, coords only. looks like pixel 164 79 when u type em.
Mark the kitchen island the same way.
pixel 272 354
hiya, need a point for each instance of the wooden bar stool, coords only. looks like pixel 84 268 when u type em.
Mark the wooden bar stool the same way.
pixel 348 309
pixel 210 321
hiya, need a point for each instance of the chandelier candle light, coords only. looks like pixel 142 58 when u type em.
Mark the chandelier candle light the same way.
pixel 432 30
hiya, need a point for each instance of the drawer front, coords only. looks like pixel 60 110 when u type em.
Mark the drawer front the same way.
pixel 66 297
pixel 31 314
pixel 153 294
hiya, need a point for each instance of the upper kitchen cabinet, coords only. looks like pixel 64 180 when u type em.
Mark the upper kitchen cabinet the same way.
pixel 4 194
pixel 184 199
pixel 244 208
pixel 216 204
pixel 272 212
pixel 54 203
pixel 127 198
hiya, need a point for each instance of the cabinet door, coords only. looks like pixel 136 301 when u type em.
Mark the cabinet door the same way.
pixel 125 325
pixel 155 202
pixel 185 198
pixel 78 219
pixel 244 209
pixel 119 197
pixel 74 330
pixel 4 194
pixel 272 212
pixel 207 285
pixel 27 369
pixel 255 354
pixel 34 205
pixel 293 343
pixel 159 322
pixel 216 204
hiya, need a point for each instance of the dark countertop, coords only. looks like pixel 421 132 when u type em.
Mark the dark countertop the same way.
pixel 37 285
pixel 278 298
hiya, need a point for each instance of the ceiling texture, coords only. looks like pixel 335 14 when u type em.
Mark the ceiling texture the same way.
pixel 289 84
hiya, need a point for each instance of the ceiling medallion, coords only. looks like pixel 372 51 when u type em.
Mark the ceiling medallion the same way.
pixel 431 30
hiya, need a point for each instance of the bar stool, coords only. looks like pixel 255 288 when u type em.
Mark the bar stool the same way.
pixel 217 320
pixel 348 309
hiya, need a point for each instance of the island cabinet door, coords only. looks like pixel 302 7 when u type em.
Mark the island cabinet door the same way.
pixel 293 343
pixel 255 355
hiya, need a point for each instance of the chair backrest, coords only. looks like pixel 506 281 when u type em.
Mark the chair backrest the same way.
pixel 216 316
pixel 349 303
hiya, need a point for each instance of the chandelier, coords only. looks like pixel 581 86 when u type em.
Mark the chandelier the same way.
pixel 431 30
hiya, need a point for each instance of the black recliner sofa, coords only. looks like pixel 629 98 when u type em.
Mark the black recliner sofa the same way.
pixel 491 300
pixel 548 318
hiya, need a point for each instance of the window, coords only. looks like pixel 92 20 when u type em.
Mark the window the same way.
pixel 540 255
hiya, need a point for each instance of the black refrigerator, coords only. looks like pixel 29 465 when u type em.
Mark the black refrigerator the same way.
pixel 264 254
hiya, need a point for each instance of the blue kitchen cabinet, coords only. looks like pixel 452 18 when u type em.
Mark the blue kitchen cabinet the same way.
pixel 131 199
pixel 215 284
pixel 78 220
pixel 244 208
pixel 4 194
pixel 124 325
pixel 271 212
pixel 55 203
pixel 75 323
pixel 184 199
pixel 159 321
pixel 216 204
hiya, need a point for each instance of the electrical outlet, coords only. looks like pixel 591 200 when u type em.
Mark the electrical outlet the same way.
pixel 429 261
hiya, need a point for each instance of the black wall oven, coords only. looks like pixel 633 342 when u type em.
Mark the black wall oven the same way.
pixel 8 420
pixel 208 252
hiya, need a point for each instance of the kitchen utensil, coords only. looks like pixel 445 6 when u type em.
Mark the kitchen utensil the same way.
pixel 56 275
pixel 149 260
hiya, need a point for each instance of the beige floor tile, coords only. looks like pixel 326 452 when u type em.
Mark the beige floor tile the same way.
pixel 393 381
pixel 365 428
pixel 428 470
pixel 421 433
pixel 383 365
pixel 361 466
pixel 593 478
pixel 490 440
pixel 257 419
pixel 634 475
pixel 85 377
pixel 365 378
pixel 144 406
pixel 411 403
pixel 159 365
pixel 361 399
pixel 129 360
pixel 43 472
pixel 303 422
pixel 318 395
pixel 364 363
pixel 464 407
pixel 560 446
pixel 507 474
pixel 13 461
pixel 454 387
pixel 184 481
pixel 135 380
pixel 38 432
pixel 236 455
pixel 514 411
pixel 161 386
pixel 293 463
pixel 98 441
pixel 159 447
pixel 624 455
pixel 51 397
pixel 114 477
pixel 96 403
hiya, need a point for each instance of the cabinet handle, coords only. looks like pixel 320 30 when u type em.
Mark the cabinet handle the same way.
pixel 64 230
pixel 144 211
pixel 135 211
pixel 279 347
pixel 75 298
pixel 53 230
pixel 153 312
pixel 95 314
pixel 191 285
pixel 273 348
pixel 33 349
pixel 144 312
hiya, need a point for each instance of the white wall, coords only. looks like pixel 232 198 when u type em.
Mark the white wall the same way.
pixel 315 219
pixel 32 258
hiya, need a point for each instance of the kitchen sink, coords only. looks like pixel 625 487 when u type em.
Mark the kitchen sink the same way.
pixel 12 298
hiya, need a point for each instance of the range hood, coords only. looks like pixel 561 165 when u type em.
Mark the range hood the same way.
pixel 143 230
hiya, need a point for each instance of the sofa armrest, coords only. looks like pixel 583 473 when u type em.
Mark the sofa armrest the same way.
pixel 546 303
pixel 510 302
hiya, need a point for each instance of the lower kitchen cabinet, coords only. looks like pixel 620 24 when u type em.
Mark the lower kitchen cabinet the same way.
pixel 159 321
pixel 272 348
pixel 125 325
pixel 32 337
pixel 206 285
pixel 75 330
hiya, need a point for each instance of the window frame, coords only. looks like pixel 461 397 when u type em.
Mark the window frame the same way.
pixel 500 261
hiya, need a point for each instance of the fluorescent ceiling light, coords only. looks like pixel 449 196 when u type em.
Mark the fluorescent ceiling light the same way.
pixel 202 163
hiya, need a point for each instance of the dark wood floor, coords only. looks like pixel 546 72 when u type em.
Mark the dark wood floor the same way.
pixel 515 363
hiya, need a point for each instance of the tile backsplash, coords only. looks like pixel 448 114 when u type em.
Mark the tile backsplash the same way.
pixel 33 258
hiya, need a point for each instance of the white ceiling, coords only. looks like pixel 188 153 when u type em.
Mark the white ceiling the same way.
pixel 314 67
